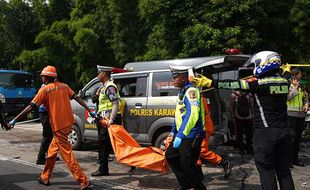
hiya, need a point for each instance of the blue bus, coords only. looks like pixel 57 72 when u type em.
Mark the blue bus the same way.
pixel 16 90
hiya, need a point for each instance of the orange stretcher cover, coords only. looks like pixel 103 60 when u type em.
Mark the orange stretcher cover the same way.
pixel 128 151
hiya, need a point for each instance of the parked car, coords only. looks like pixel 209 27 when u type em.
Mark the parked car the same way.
pixel 16 90
pixel 150 99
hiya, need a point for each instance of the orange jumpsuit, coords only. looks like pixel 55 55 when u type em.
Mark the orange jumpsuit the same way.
pixel 56 97
pixel 205 153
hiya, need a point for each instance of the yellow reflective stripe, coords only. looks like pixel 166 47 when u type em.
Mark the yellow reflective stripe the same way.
pixel 272 80
pixel 292 108
pixel 244 84
pixel 193 118
pixel 178 114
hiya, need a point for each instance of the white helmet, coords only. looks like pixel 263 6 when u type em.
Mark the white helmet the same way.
pixel 265 61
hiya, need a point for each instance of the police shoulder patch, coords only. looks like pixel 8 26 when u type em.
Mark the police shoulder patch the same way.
pixel 192 94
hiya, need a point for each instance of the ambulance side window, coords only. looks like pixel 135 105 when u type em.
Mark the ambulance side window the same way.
pixel 162 85
pixel 131 87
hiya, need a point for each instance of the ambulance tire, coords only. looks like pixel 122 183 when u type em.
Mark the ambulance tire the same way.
pixel 159 143
pixel 75 138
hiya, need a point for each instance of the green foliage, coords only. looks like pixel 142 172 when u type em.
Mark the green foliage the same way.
pixel 33 60
pixel 201 39
pixel 60 9
pixel 18 27
pixel 300 17
pixel 42 12
pixel 157 44
pixel 86 40
pixel 77 35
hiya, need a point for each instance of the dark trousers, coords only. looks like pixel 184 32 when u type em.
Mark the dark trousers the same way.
pixel 244 126
pixel 297 125
pixel 2 118
pixel 182 161
pixel 272 153
pixel 104 145
pixel 47 135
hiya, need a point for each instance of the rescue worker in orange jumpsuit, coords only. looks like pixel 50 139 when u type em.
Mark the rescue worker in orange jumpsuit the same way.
pixel 56 97
pixel 207 154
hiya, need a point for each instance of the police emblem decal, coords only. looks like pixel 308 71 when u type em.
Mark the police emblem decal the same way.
pixel 192 94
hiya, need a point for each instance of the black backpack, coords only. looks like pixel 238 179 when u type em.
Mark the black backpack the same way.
pixel 243 105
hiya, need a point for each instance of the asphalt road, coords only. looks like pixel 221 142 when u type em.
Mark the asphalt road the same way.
pixel 19 175
pixel 19 148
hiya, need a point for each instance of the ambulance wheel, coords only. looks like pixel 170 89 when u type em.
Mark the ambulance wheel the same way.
pixel 75 138
pixel 160 141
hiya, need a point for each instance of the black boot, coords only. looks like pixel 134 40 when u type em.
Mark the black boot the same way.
pixel 227 166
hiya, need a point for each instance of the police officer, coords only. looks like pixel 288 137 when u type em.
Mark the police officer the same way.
pixel 108 108
pixel 188 132
pixel 272 136
pixel 297 107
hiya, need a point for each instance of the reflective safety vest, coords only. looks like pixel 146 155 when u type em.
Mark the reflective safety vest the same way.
pixel 104 103
pixel 190 122
pixel 296 103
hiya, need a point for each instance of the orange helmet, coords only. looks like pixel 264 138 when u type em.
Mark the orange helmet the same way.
pixel 49 71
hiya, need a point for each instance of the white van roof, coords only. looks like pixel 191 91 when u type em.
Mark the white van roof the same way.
pixel 196 63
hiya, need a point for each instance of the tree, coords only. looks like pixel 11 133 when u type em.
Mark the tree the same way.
pixel 19 28
pixel 300 18
pixel 185 28
pixel 78 35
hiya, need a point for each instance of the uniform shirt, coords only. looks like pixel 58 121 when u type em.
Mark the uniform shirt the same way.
pixel 189 115
pixel 56 97
pixel 270 95
pixel 108 94
pixel 297 94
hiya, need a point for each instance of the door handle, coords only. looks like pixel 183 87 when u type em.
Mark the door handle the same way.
pixel 138 105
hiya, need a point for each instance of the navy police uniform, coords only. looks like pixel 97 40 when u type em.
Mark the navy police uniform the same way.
pixel 189 131
pixel 271 135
